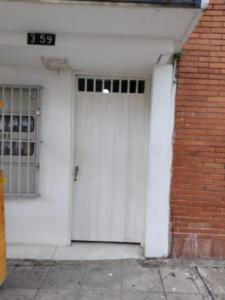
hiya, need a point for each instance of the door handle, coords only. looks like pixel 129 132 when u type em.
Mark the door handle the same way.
pixel 76 170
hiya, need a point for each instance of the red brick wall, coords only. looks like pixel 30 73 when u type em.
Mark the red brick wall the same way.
pixel 198 187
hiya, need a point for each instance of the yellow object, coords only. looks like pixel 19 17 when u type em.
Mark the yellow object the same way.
pixel 3 263
pixel 2 104
pixel 5 180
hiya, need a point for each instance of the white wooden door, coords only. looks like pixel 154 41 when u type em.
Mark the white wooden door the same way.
pixel 110 151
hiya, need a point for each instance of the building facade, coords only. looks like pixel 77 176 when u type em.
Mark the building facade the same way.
pixel 87 91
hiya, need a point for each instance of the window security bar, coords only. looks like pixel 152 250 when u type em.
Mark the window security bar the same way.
pixel 19 138
pixel 115 85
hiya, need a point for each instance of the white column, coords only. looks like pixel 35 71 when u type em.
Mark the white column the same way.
pixel 160 161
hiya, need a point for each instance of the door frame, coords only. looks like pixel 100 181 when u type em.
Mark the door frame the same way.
pixel 75 76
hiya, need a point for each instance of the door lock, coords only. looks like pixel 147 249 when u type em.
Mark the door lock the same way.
pixel 76 170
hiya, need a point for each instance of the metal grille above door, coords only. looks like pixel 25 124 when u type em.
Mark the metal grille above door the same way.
pixel 124 86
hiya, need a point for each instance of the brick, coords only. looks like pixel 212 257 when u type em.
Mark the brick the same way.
pixel 217 42
pixel 220 7
pixel 199 81
pixel 200 41
pixel 184 69
pixel 194 64
pixel 214 12
pixel 217 53
pixel 203 30
pixel 209 36
pixel 215 2
pixel 202 47
pixel 217 18
pixel 199 53
pixel 210 59
pixel 211 24
pixel 217 65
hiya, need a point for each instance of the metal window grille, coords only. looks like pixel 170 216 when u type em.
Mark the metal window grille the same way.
pixel 124 86
pixel 19 138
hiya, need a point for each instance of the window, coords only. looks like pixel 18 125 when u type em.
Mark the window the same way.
pixel 19 138
pixel 124 86
pixel 16 123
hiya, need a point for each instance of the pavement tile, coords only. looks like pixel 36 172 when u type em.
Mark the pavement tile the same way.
pixel 139 278
pixel 214 278
pixel 57 294
pixel 132 264
pixel 65 277
pixel 178 280
pixel 183 297
pixel 138 295
pixel 203 290
pixel 26 277
pixel 17 294
pixel 100 294
pixel 112 280
pixel 106 275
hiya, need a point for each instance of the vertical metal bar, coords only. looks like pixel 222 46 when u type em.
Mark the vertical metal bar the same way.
pixel 37 138
pixel 11 138
pixel 94 85
pixel 85 84
pixel 28 145
pixel 3 127
pixel 19 142
pixel 111 85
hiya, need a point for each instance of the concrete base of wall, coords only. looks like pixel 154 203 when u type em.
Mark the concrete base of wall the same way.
pixel 196 248
pixel 77 251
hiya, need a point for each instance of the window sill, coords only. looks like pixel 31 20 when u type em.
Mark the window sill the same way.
pixel 21 196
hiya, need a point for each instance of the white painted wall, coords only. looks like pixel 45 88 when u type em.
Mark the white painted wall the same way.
pixel 45 220
pixel 160 162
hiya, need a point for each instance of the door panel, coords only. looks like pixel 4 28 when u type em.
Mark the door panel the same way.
pixel 110 150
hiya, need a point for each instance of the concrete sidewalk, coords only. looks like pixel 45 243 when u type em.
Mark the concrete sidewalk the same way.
pixel 115 280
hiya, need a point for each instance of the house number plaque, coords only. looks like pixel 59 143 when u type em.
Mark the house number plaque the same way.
pixel 41 39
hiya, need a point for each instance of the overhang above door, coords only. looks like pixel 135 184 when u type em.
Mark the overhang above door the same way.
pixel 95 36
